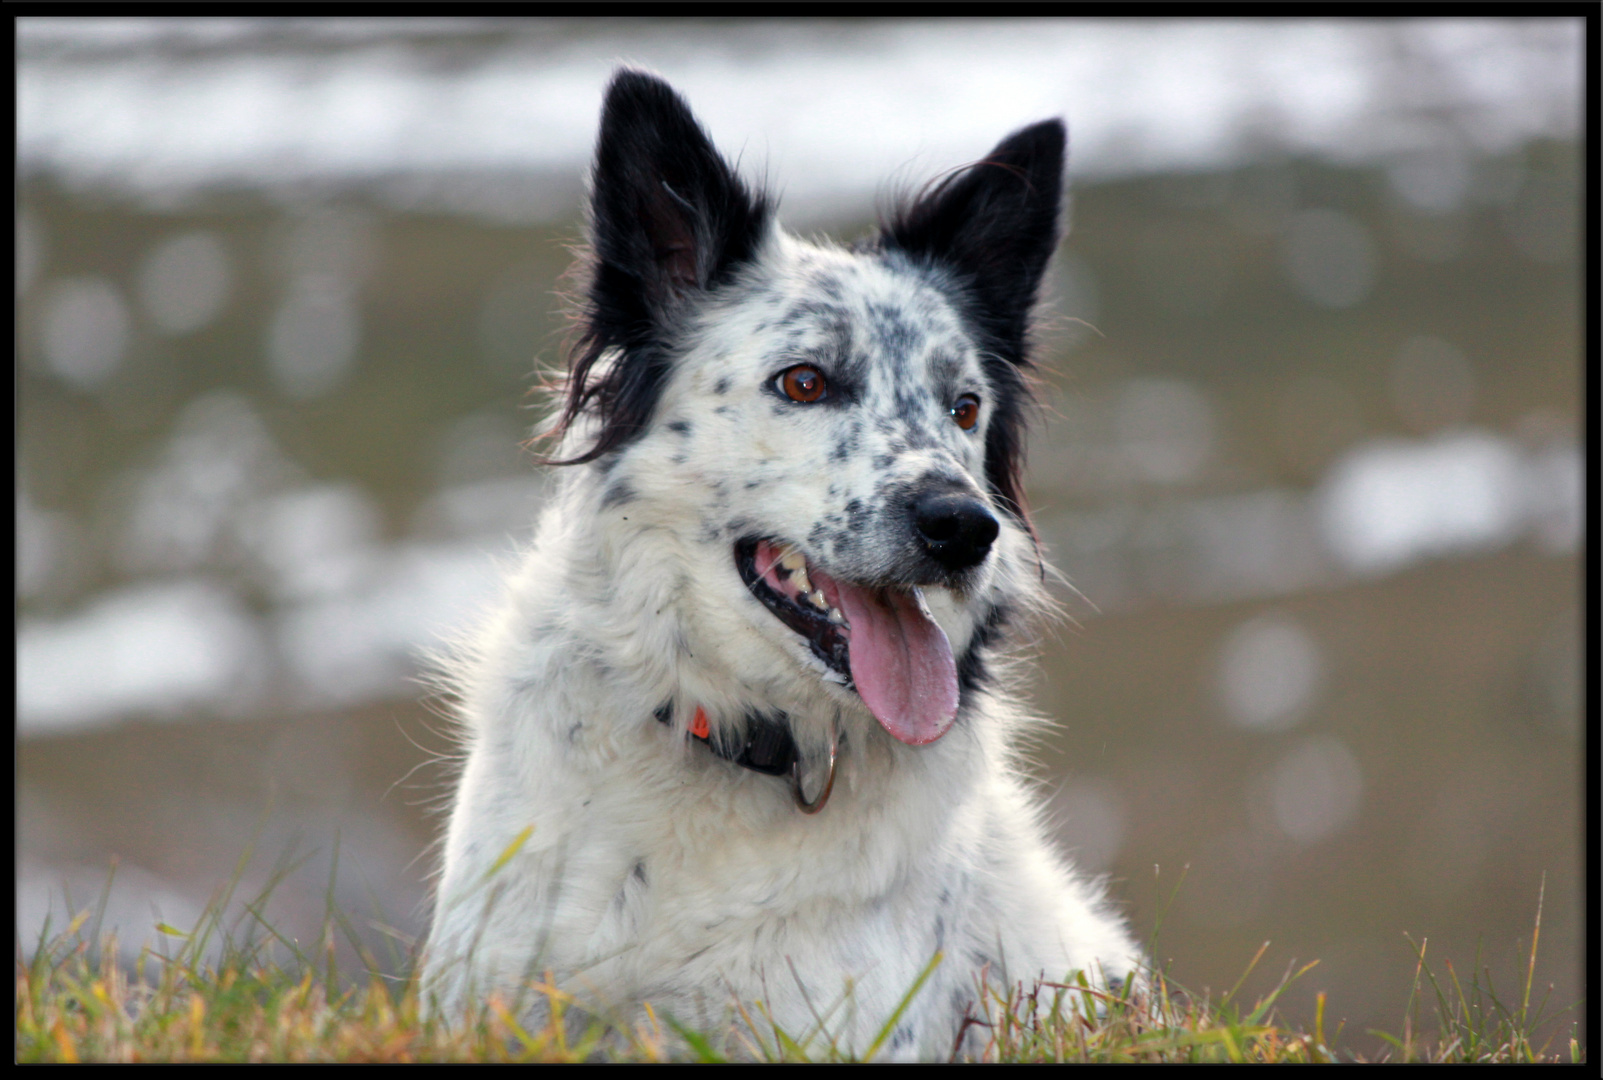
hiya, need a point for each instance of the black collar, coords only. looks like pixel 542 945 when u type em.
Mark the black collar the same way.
pixel 768 748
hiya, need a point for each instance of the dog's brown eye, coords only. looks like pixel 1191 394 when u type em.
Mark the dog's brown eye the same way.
pixel 966 412
pixel 802 383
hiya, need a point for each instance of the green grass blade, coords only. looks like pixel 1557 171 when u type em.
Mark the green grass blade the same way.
pixel 1225 1001
pixel 901 1006
pixel 697 1042
pixel 1262 1008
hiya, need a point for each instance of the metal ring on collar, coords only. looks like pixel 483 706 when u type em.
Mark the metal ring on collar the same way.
pixel 829 781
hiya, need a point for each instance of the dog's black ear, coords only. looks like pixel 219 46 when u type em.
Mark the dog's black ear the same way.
pixel 995 224
pixel 669 219
pixel 668 216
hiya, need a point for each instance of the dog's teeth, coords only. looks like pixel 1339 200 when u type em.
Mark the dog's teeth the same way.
pixel 800 578
pixel 836 617
pixel 792 559
pixel 817 597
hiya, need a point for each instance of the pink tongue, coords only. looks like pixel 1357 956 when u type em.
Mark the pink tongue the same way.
pixel 901 663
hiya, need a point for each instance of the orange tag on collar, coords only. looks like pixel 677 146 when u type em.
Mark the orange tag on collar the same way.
pixel 698 724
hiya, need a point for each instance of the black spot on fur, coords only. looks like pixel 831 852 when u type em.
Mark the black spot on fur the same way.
pixel 903 1036
pixel 618 493
pixel 810 311
pixel 972 674
pixel 670 222
pixel 897 337
pixel 722 385
pixel 844 448
pixel 920 438
pixel 825 282
pixel 838 344
pixel 640 871
pixel 680 427
pixel 946 368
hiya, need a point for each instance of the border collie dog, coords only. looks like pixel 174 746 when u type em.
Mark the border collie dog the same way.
pixel 739 729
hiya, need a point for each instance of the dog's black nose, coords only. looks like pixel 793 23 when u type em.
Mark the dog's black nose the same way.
pixel 956 529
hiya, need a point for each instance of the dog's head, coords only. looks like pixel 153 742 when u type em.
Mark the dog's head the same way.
pixel 826 444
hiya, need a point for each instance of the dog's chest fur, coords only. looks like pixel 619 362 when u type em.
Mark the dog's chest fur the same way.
pixel 739 391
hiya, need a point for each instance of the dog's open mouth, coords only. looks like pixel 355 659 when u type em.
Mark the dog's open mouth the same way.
pixel 880 638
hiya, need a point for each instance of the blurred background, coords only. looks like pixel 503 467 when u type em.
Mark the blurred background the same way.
pixel 1312 455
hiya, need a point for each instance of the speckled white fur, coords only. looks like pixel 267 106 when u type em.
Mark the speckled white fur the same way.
pixel 654 871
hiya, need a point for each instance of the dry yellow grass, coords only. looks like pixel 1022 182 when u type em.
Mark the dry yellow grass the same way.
pixel 75 1002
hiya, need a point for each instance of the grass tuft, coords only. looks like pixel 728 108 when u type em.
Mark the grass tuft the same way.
pixel 258 996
